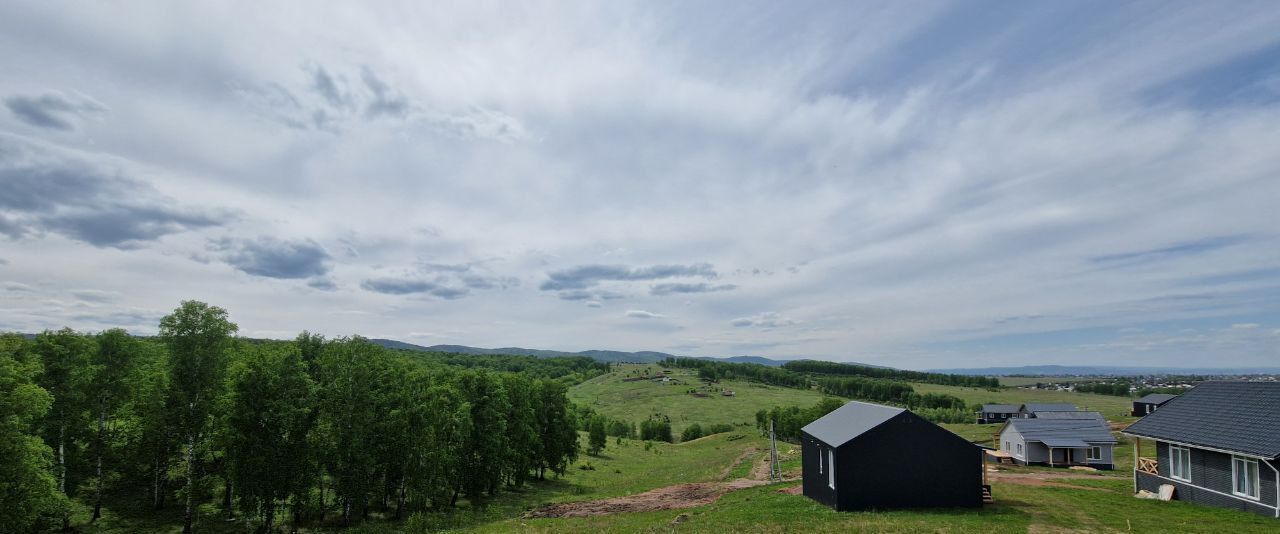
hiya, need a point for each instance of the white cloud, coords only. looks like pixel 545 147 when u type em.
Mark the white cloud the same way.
pixel 641 314
pixel 941 190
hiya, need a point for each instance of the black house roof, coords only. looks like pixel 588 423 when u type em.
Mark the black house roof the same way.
pixel 850 421
pixel 1235 416
pixel 1156 398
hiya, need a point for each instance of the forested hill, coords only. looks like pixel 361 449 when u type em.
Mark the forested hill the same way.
pixel 600 355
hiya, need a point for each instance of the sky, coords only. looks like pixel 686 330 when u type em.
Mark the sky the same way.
pixel 912 184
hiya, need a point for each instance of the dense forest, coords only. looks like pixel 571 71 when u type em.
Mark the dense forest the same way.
pixel 307 431
pixel 834 368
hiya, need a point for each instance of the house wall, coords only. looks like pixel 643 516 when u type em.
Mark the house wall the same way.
pixel 908 462
pixel 1014 438
pixel 1211 481
pixel 1107 458
pixel 814 481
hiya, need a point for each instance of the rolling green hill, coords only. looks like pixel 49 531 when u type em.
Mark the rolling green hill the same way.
pixel 610 395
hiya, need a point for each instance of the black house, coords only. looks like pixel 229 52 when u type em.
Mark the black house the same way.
pixel 1149 403
pixel 997 413
pixel 863 456
pixel 1217 444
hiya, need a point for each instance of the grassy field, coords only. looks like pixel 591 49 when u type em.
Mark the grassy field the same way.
pixel 1112 407
pixel 1028 380
pixel 1102 504
pixel 634 401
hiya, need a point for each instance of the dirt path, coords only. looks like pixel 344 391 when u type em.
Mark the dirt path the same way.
pixel 1041 479
pixel 674 497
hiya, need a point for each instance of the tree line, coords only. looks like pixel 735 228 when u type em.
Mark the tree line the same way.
pixel 852 369
pixel 1119 389
pixel 309 429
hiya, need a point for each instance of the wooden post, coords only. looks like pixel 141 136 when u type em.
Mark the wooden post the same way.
pixel 1137 454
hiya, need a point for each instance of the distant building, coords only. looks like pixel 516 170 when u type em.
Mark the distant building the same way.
pixel 997 413
pixel 1149 403
pixel 1217 444
pixel 1070 415
pixel 863 456
pixel 1059 442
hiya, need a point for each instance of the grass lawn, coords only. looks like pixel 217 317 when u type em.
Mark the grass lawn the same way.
pixel 634 401
pixel 1112 407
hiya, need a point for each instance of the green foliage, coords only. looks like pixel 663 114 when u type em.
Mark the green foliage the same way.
pixel 596 437
pixel 28 488
pixel 714 371
pixel 788 421
pixel 268 415
pixel 656 429
pixel 691 432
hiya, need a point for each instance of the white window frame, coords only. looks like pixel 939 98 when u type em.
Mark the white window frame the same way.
pixel 1019 449
pixel 1251 479
pixel 820 454
pixel 1177 470
pixel 1007 446
pixel 831 468
pixel 1093 452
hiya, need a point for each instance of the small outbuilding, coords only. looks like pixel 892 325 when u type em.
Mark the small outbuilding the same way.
pixel 1149 403
pixel 863 456
pixel 997 413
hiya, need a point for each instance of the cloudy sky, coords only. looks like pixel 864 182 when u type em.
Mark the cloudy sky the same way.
pixel 911 184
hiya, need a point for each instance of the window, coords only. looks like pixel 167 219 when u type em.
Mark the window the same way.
pixel 819 459
pixel 1006 446
pixel 1244 477
pixel 831 468
pixel 1019 449
pixel 1094 453
pixel 1180 463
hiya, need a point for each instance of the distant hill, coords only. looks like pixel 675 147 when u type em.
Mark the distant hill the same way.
pixel 601 355
pixel 1075 370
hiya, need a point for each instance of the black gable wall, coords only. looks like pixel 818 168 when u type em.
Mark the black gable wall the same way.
pixel 814 482
pixel 908 462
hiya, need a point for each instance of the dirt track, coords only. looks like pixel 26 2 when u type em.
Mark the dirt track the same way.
pixel 674 497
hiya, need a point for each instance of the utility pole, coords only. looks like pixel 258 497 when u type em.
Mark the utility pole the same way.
pixel 774 475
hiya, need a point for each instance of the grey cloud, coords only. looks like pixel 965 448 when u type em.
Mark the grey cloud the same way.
pixel 323 284
pixel 764 320
pixel 677 288
pixel 585 276
pixel 53 110
pixel 470 275
pixel 385 100
pixel 576 294
pixel 16 286
pixel 593 304
pixel 274 258
pixel 4 261
pixel 327 88
pixel 642 314
pixel 53 190
pixel 409 286
pixel 95 295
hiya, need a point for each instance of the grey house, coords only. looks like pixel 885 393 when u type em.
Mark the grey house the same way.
pixel 865 456
pixel 1030 410
pixel 1059 442
pixel 1092 416
pixel 1149 403
pixel 997 413
pixel 1217 444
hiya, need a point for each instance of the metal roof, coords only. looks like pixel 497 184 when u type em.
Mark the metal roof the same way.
pixel 1050 407
pixel 1069 415
pixel 1237 416
pixel 1085 430
pixel 1000 408
pixel 1065 442
pixel 1157 398
pixel 850 421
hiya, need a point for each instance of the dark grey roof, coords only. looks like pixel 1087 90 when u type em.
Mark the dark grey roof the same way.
pixel 1000 408
pixel 1050 407
pixel 1235 416
pixel 1070 415
pixel 1157 398
pixel 1059 430
pixel 850 421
